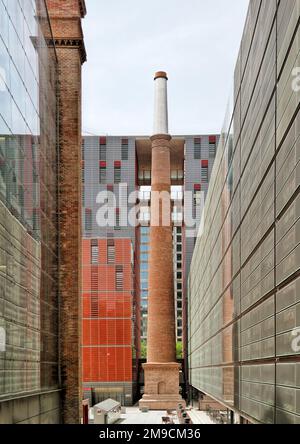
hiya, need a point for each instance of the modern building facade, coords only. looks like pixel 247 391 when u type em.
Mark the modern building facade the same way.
pixel 32 388
pixel 121 166
pixel 110 273
pixel 243 309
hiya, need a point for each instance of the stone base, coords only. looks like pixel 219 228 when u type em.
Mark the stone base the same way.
pixel 161 386
pixel 161 402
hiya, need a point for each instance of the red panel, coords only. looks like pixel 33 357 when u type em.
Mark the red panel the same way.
pixel 117 164
pixel 212 139
pixel 204 163
pixel 102 140
pixel 102 164
pixel 107 352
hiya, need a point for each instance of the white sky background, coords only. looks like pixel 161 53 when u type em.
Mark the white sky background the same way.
pixel 127 41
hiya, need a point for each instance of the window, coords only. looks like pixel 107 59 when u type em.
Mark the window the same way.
pixel 144 286
pixel 83 150
pixel 102 149
pixel 179 304
pixel 110 251
pixel 179 257
pixel 204 171
pixel 144 266
pixel 179 248
pixel 144 257
pixel 144 247
pixel 124 149
pixel 82 171
pixel 119 277
pixel 212 147
pixel 179 286
pixel 35 219
pixel 117 172
pixel 88 219
pixel 83 196
pixel 197 148
pixel 94 251
pixel 102 172
pixel 179 275
pixel 117 226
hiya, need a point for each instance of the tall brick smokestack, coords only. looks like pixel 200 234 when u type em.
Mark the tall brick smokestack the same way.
pixel 161 370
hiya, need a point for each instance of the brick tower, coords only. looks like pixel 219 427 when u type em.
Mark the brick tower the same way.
pixel 65 17
pixel 161 370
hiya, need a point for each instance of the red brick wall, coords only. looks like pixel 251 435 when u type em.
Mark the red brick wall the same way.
pixel 65 17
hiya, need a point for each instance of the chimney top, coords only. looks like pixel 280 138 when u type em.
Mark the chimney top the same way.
pixel 160 75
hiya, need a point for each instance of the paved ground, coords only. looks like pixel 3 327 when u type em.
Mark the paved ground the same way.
pixel 134 416
pixel 200 417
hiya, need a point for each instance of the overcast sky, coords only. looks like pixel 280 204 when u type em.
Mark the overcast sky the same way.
pixel 127 41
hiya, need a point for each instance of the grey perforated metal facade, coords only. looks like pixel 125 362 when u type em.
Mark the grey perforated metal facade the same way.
pixel 244 300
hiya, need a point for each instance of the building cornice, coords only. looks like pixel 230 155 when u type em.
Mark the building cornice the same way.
pixel 82 7
pixel 70 43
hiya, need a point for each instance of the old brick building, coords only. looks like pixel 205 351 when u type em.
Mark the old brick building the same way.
pixel 65 17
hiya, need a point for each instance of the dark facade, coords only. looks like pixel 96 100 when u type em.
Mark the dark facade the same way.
pixel 244 279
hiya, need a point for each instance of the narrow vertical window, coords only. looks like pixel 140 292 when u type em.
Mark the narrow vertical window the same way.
pixel 124 149
pixel 197 148
pixel 102 172
pixel 204 171
pixel 82 171
pixel 83 150
pixel 83 196
pixel 117 172
pixel 94 252
pixel 102 149
pixel 88 219
pixel 212 147
pixel 110 251
pixel 35 219
pixel 119 277
pixel 117 226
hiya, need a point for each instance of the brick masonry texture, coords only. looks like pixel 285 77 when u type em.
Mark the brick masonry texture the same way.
pixel 65 17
